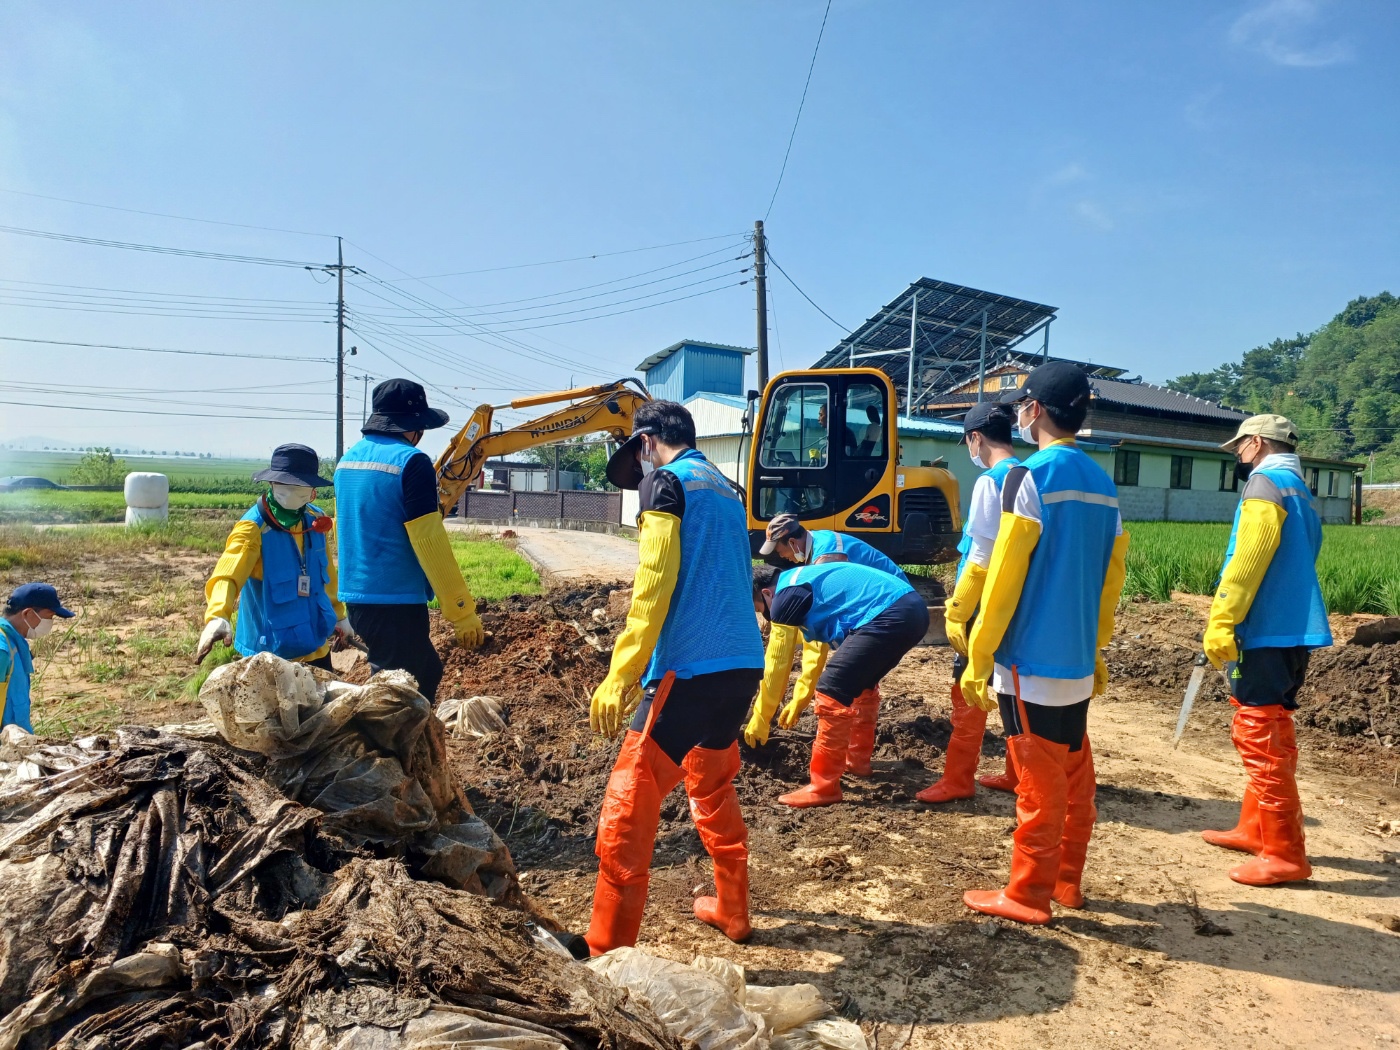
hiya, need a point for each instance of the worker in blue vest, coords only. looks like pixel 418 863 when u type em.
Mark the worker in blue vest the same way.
pixel 1046 611
pixel 788 539
pixel 1266 618
pixel 394 551
pixel 872 618
pixel 987 434
pixel 278 570
pixel 683 671
pixel 27 616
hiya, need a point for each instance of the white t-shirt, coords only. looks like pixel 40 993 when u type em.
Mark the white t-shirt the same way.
pixel 1034 689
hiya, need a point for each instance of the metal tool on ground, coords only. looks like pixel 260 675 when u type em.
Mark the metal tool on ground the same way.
pixel 1198 674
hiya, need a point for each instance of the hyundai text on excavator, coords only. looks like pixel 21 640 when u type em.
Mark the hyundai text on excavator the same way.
pixel 825 448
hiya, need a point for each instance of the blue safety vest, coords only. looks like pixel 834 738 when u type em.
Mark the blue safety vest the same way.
pixel 377 562
pixel 710 625
pixel 1288 610
pixel 14 680
pixel 272 617
pixel 998 475
pixel 1054 631
pixel 857 551
pixel 845 597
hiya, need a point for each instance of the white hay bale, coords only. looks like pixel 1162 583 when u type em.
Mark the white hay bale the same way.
pixel 148 491
pixel 145 515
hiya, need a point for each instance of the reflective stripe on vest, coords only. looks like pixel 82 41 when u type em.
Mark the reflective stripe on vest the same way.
pixel 377 562
pixel 856 550
pixel 272 617
pixel 1054 631
pixel 1288 610
pixel 845 597
pixel 710 624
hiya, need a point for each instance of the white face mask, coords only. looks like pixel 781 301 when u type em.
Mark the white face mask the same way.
pixel 647 466
pixel 43 627
pixel 979 462
pixel 292 497
pixel 1023 430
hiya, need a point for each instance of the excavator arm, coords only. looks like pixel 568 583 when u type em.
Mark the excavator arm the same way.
pixel 607 408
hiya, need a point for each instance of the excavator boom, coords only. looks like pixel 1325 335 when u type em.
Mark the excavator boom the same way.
pixel 607 408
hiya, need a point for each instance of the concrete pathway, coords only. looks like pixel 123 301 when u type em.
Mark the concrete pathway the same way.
pixel 565 557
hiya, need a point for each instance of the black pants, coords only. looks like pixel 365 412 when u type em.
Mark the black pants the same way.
pixel 868 654
pixel 705 711
pixel 397 637
pixel 1269 676
pixel 1060 725
pixel 323 662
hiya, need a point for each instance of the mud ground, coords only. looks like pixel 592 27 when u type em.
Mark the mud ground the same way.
pixel 864 899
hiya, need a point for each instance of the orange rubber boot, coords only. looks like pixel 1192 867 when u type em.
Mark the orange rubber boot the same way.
pixel 1245 835
pixel 714 806
pixel 1040 812
pixel 642 777
pixel 1268 746
pixel 1001 781
pixel 964 750
pixel 867 713
pixel 828 756
pixel 1080 814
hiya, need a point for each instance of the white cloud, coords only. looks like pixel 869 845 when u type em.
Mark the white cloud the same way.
pixel 1073 172
pixel 1091 213
pixel 1281 31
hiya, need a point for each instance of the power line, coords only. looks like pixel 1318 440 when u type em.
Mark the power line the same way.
pixel 161 350
pixel 844 329
pixel 326 417
pixel 163 215
pixel 798 118
pixel 189 253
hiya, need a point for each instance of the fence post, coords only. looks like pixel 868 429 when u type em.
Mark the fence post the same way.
pixel 1356 502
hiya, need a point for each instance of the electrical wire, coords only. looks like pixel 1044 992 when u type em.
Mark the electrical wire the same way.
pixel 796 120
pixel 845 330
pixel 164 215
pixel 162 350
pixel 189 253
pixel 196 415
pixel 31 286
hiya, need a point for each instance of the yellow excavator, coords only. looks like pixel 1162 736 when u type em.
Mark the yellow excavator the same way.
pixel 825 446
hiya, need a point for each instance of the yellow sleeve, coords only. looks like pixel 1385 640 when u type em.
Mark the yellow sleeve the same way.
pixel 333 576
pixel 1006 576
pixel 967 594
pixel 1112 589
pixel 777 669
pixel 428 537
pixel 813 661
pixel 658 568
pixel 242 555
pixel 1258 536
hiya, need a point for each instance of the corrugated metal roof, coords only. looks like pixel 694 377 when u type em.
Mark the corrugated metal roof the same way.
pixel 661 355
pixel 1160 399
pixel 724 399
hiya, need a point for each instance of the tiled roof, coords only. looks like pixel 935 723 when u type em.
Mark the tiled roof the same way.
pixel 1159 399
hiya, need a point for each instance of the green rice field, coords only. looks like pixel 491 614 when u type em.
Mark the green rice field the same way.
pixel 1359 567
pixel 183 471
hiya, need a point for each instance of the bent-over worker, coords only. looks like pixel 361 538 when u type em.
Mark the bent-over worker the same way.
pixel 790 540
pixel 28 615
pixel 1046 611
pixel 1267 617
pixel 688 661
pixel 871 618
pixel 394 551
pixel 987 434
pixel 278 570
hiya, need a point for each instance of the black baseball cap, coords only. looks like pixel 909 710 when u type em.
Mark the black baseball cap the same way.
pixel 294 465
pixel 401 407
pixel 991 417
pixel 1055 383
pixel 36 596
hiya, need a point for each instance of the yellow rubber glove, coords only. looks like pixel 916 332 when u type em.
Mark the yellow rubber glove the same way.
pixel 777 668
pixel 659 566
pixel 966 597
pixel 813 661
pixel 1108 608
pixel 1006 576
pixel 428 536
pixel 1256 539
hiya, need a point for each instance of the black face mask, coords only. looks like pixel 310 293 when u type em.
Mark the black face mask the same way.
pixel 1243 470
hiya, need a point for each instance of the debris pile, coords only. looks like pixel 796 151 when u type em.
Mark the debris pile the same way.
pixel 1353 690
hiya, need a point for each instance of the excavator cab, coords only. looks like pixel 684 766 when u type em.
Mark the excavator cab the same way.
pixel 826 448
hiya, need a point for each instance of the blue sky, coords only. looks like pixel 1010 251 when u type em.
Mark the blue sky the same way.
pixel 1183 181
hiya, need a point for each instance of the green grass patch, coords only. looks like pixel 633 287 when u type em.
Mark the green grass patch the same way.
pixel 60 507
pixel 181 470
pixel 1359 567
pixel 30 548
pixel 492 569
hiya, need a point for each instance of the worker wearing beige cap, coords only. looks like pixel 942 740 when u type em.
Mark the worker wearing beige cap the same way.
pixel 1266 618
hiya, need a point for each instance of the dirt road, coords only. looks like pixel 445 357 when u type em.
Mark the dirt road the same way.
pixel 568 558
pixel 864 899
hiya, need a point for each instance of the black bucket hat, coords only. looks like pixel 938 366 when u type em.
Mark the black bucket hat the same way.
pixel 294 465
pixel 624 469
pixel 401 407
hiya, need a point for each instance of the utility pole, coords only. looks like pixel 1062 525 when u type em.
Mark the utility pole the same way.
pixel 364 401
pixel 338 268
pixel 760 283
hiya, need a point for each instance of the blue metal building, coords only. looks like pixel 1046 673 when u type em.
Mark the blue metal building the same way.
pixel 690 367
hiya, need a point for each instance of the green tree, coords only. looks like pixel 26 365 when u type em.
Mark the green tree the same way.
pixel 98 467
pixel 581 455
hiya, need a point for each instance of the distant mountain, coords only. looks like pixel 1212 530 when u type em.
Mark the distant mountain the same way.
pixel 1340 385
